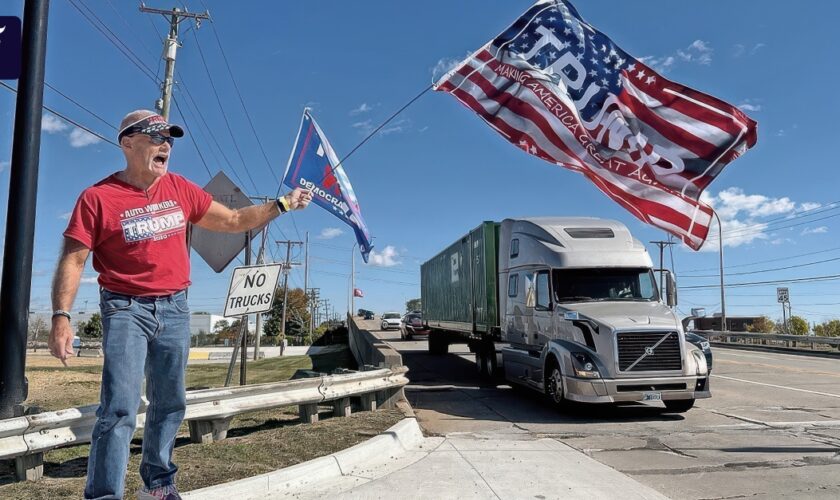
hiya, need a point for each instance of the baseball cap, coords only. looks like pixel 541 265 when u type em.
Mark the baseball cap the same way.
pixel 144 121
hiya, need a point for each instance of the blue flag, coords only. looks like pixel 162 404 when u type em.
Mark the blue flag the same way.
pixel 314 166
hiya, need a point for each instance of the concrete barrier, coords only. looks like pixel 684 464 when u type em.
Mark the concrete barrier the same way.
pixel 372 352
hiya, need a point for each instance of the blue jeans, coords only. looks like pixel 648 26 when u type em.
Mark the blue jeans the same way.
pixel 142 336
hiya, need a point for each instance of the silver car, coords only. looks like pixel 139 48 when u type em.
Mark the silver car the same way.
pixel 390 320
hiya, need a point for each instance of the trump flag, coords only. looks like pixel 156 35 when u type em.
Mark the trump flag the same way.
pixel 314 165
pixel 563 91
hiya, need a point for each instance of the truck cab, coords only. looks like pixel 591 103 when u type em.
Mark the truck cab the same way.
pixel 581 317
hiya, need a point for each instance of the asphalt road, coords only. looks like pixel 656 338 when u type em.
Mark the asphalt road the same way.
pixel 770 430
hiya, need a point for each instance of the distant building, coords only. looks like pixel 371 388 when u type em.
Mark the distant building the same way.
pixel 733 323
pixel 199 322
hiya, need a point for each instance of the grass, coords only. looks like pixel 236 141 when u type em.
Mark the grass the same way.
pixel 54 387
pixel 257 442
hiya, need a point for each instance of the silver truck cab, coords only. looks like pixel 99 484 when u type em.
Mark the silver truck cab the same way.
pixel 583 320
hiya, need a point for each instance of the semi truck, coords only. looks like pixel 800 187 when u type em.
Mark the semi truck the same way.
pixel 567 306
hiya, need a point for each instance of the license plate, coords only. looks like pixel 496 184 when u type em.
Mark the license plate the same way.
pixel 651 396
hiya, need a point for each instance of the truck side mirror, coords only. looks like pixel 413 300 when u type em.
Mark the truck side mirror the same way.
pixel 670 290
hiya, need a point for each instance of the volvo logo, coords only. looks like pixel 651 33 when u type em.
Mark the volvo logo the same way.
pixel 649 351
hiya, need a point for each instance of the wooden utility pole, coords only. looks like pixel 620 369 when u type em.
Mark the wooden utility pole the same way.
pixel 170 48
pixel 287 267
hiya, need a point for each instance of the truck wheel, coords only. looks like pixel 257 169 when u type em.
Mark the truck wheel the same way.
pixel 438 344
pixel 554 385
pixel 481 363
pixel 679 405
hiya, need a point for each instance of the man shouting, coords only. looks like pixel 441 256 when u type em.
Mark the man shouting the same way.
pixel 135 221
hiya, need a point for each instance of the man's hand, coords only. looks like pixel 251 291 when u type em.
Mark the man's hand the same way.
pixel 61 339
pixel 299 198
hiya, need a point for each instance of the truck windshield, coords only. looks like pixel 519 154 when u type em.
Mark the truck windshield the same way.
pixel 600 284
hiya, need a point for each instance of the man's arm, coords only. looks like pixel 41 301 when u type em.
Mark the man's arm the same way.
pixel 66 281
pixel 221 219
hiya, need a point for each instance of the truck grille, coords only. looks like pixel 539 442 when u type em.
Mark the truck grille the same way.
pixel 634 351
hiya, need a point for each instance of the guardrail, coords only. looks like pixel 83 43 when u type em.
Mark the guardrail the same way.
pixel 770 339
pixel 209 412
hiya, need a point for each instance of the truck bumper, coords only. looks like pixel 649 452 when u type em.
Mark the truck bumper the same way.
pixel 634 389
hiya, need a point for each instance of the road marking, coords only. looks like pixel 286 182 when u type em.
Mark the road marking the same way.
pixel 778 386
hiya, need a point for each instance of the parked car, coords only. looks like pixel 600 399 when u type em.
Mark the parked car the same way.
pixel 702 343
pixel 390 320
pixel 411 325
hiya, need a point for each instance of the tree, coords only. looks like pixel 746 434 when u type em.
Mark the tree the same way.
pixel 221 326
pixel 230 332
pixel 38 329
pixel 93 328
pixel 798 325
pixel 762 324
pixel 297 316
pixel 413 305
pixel 828 328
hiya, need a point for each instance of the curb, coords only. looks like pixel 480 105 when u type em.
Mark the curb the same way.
pixel 401 437
pixel 779 349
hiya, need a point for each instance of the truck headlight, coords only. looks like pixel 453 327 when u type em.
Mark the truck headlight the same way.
pixel 584 366
pixel 700 362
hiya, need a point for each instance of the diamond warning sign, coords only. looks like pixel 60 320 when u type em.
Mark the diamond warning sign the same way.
pixel 252 289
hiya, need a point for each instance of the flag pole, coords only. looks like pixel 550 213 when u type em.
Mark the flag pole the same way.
pixel 350 298
pixel 722 294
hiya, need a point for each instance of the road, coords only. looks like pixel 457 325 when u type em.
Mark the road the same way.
pixel 770 430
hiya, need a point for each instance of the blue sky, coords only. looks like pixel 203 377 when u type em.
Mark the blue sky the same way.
pixel 436 170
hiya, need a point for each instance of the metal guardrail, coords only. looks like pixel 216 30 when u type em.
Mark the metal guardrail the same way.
pixel 34 434
pixel 764 338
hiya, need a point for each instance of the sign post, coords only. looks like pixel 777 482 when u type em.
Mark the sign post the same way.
pixel 251 290
pixel 783 297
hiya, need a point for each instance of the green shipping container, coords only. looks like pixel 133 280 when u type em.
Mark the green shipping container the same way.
pixel 458 287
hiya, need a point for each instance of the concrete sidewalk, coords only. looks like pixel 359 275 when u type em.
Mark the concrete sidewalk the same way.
pixel 401 463
pixel 473 467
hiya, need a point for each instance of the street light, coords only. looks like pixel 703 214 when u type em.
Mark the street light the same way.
pixel 722 295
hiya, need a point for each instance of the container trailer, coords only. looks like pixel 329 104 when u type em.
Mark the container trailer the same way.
pixel 567 306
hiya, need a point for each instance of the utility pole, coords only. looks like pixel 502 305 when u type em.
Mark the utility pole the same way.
pixel 662 245
pixel 287 267
pixel 170 47
pixel 258 333
pixel 306 282
pixel 20 217
pixel 313 309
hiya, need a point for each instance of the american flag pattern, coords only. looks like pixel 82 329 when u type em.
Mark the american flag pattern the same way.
pixel 563 91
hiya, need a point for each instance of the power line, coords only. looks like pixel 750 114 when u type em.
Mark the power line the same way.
pixel 764 270
pixel 67 119
pixel 62 94
pixel 830 277
pixel 119 44
pixel 767 261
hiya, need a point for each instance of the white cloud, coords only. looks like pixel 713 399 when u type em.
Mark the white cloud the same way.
pixel 365 127
pixel 65 215
pixel 363 108
pixel 445 64
pixel 80 138
pixel 398 126
pixel 52 125
pixel 387 258
pixel 660 64
pixel 751 105
pixel 741 215
pixel 815 230
pixel 809 206
pixel 90 280
pixel 329 233
pixel 4 165
pixel 699 52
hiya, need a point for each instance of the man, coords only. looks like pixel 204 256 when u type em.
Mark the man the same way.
pixel 134 222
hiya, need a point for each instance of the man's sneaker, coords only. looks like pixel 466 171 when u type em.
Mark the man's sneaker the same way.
pixel 169 492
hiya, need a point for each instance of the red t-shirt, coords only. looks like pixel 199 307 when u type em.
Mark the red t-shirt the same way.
pixel 138 237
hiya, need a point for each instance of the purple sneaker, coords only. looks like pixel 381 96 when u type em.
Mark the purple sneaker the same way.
pixel 169 492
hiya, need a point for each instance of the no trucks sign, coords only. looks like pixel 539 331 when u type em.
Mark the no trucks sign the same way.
pixel 252 289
